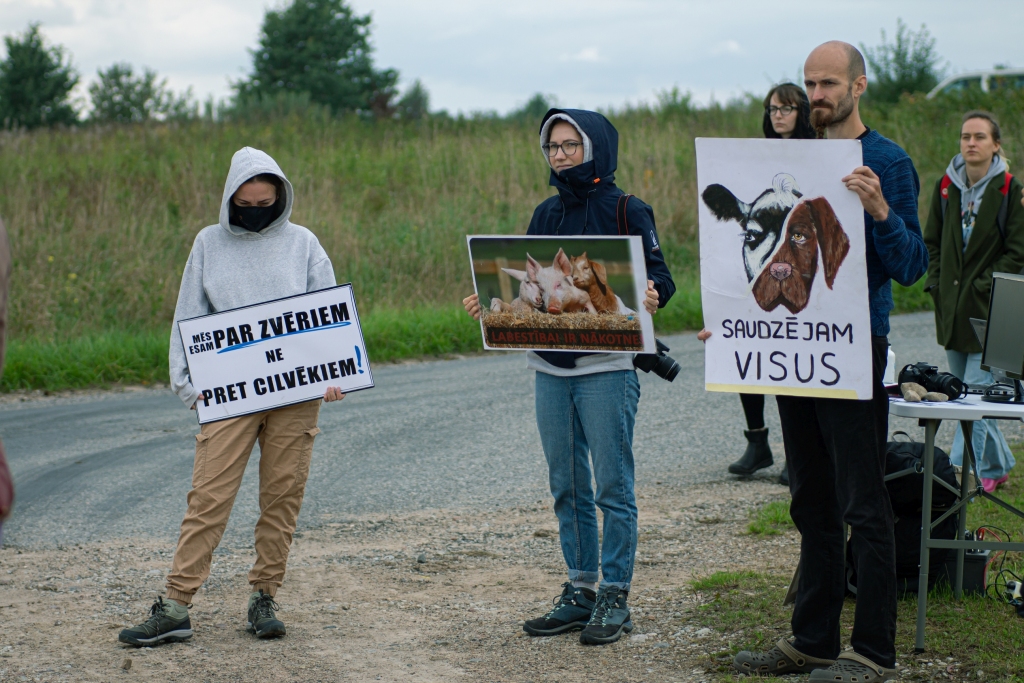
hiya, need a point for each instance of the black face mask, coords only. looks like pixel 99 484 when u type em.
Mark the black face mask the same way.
pixel 255 218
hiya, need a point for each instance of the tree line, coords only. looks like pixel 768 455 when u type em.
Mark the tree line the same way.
pixel 315 53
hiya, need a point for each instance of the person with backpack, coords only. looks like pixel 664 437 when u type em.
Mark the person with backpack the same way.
pixel 975 228
pixel 586 403
pixel 787 116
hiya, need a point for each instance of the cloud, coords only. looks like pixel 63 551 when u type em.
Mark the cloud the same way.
pixel 727 47
pixel 587 54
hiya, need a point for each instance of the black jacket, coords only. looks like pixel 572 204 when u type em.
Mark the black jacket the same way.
pixel 586 204
pixel 587 198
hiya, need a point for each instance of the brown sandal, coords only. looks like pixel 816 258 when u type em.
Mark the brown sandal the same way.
pixel 851 667
pixel 781 659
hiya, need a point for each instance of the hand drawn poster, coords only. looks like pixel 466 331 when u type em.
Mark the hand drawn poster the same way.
pixel 783 268
pixel 274 354
pixel 562 293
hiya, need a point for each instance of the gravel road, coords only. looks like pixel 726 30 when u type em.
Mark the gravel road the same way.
pixel 449 433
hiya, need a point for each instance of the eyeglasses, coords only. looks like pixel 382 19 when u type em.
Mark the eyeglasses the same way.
pixel 569 147
pixel 784 110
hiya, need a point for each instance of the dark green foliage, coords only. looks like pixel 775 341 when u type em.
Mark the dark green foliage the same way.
pixel 35 82
pixel 533 110
pixel 322 48
pixel 415 103
pixel 907 65
pixel 119 96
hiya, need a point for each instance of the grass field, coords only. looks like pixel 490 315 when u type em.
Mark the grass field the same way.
pixel 977 638
pixel 101 219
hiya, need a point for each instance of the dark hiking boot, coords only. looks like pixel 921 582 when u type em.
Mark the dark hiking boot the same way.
pixel 166 624
pixel 610 619
pixel 784 477
pixel 757 456
pixel 571 612
pixel 262 620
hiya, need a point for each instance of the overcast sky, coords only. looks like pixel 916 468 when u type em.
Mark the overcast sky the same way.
pixel 477 55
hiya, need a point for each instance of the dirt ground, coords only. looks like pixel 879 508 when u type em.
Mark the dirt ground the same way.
pixel 432 596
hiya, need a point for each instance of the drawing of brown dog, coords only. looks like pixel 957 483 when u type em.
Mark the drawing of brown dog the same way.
pixel 811 226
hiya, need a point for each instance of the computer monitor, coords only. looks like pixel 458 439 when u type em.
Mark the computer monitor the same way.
pixel 1004 336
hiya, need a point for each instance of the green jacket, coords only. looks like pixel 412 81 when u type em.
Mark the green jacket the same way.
pixel 960 281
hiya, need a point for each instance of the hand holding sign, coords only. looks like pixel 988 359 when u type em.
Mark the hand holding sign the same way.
pixel 333 394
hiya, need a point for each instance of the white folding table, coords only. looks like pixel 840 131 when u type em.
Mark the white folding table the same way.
pixel 930 415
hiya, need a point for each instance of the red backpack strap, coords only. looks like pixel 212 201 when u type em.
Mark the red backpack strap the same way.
pixel 1004 207
pixel 944 196
pixel 620 214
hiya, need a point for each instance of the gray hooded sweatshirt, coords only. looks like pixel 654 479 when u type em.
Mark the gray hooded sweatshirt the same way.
pixel 970 197
pixel 230 267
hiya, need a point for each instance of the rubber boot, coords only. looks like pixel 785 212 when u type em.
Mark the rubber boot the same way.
pixel 757 456
pixel 784 476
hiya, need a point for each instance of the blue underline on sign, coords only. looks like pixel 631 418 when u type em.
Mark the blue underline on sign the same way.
pixel 287 334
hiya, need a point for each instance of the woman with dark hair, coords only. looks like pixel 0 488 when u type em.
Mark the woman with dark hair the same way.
pixel 787 115
pixel 974 229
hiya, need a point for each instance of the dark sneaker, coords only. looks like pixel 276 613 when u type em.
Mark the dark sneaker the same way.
pixel 163 626
pixel 571 612
pixel 610 618
pixel 262 620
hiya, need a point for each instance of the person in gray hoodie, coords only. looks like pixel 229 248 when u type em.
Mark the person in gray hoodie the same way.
pixel 975 228
pixel 254 254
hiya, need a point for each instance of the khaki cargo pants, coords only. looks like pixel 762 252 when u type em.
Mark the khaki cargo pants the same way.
pixel 222 452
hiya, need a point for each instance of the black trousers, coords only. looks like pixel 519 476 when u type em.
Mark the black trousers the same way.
pixel 836 452
pixel 753 409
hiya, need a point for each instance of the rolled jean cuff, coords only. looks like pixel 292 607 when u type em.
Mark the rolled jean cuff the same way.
pixel 175 594
pixel 617 585
pixel 588 577
pixel 268 588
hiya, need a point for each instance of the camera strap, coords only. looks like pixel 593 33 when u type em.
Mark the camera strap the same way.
pixel 620 213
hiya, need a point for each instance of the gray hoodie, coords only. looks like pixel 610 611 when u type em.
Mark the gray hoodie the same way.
pixel 970 197
pixel 230 267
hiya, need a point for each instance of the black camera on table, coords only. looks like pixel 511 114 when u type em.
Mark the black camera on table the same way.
pixel 660 363
pixel 929 377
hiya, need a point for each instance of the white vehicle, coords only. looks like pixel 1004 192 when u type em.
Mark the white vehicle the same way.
pixel 985 81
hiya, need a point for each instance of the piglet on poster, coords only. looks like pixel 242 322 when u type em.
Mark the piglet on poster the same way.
pixel 783 270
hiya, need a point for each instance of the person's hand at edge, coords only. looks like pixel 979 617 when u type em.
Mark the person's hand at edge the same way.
pixel 472 304
pixel 704 334
pixel 868 187
pixel 651 298
pixel 333 394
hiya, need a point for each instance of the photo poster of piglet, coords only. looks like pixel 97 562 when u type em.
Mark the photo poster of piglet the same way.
pixel 573 293
pixel 784 284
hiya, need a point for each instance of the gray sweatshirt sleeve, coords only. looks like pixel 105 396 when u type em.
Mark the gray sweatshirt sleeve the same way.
pixel 192 302
pixel 321 273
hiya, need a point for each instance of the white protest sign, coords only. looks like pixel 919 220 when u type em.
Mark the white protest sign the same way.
pixel 784 283
pixel 274 354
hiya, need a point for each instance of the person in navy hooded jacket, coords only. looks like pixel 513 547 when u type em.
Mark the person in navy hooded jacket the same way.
pixel 586 402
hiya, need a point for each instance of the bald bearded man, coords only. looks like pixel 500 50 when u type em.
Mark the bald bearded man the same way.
pixel 836 448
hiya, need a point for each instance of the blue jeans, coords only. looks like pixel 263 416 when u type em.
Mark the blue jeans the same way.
pixel 583 419
pixel 990 448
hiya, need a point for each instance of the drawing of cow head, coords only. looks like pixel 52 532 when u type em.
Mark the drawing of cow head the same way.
pixel 760 220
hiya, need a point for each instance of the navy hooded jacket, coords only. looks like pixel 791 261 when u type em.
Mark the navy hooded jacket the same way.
pixel 587 199
pixel 586 205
